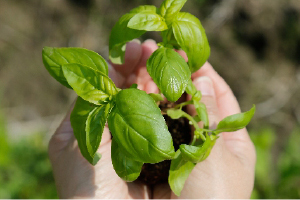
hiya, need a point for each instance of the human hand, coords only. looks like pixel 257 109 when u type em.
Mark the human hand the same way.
pixel 228 172
pixel 77 178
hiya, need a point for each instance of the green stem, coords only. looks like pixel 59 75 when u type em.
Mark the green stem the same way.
pixel 195 124
pixel 183 104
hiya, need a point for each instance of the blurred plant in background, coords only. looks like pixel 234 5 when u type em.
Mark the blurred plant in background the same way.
pixel 277 174
pixel 25 170
pixel 255 47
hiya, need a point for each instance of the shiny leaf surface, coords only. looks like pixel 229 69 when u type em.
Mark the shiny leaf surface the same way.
pixel 169 71
pixel 137 125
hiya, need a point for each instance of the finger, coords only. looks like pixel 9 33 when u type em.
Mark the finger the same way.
pixel 132 57
pixel 183 54
pixel 205 85
pixel 141 76
pixel 62 136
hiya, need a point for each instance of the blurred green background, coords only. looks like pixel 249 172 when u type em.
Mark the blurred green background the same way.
pixel 255 47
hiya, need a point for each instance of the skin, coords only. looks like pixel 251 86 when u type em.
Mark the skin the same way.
pixel 228 172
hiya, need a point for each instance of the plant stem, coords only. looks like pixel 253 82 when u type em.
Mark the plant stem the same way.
pixel 184 104
pixel 195 124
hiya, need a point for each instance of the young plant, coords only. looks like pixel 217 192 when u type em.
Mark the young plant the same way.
pixel 140 134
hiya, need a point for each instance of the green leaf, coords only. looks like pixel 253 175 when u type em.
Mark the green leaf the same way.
pixel 191 36
pixel 235 122
pixel 138 126
pixel 127 169
pixel 147 21
pixel 156 97
pixel 192 90
pixel 89 84
pixel 54 58
pixel 175 113
pixel 202 113
pixel 78 118
pixel 169 71
pixel 197 154
pixel 179 171
pixel 95 125
pixel 134 86
pixel 121 34
pixel 170 8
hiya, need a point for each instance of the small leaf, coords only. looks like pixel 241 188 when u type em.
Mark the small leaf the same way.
pixel 95 125
pixel 179 171
pixel 197 154
pixel 127 169
pixel 156 97
pixel 202 113
pixel 54 58
pixel 78 118
pixel 170 8
pixel 191 36
pixel 134 86
pixel 121 34
pixel 235 122
pixel 89 84
pixel 169 71
pixel 147 21
pixel 175 113
pixel 138 126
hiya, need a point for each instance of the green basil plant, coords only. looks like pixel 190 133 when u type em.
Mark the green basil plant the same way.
pixel 140 134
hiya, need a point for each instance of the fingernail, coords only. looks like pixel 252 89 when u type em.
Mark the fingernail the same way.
pixel 150 40
pixel 205 85
pixel 136 41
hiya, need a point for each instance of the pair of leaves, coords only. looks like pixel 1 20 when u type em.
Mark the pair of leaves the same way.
pixel 169 71
pixel 86 72
pixel 130 26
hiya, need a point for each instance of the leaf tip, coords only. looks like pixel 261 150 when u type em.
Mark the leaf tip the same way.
pixel 96 158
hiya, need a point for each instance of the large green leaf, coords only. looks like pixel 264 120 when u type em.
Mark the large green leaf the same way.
pixel 78 118
pixel 138 126
pixel 91 85
pixel 127 169
pixel 147 21
pixel 169 71
pixel 179 171
pixel 191 36
pixel 170 8
pixel 121 34
pixel 197 154
pixel 235 122
pixel 95 125
pixel 54 58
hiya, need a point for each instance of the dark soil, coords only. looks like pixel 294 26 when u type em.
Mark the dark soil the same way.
pixel 180 130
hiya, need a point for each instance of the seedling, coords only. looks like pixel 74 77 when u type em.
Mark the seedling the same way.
pixel 140 134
